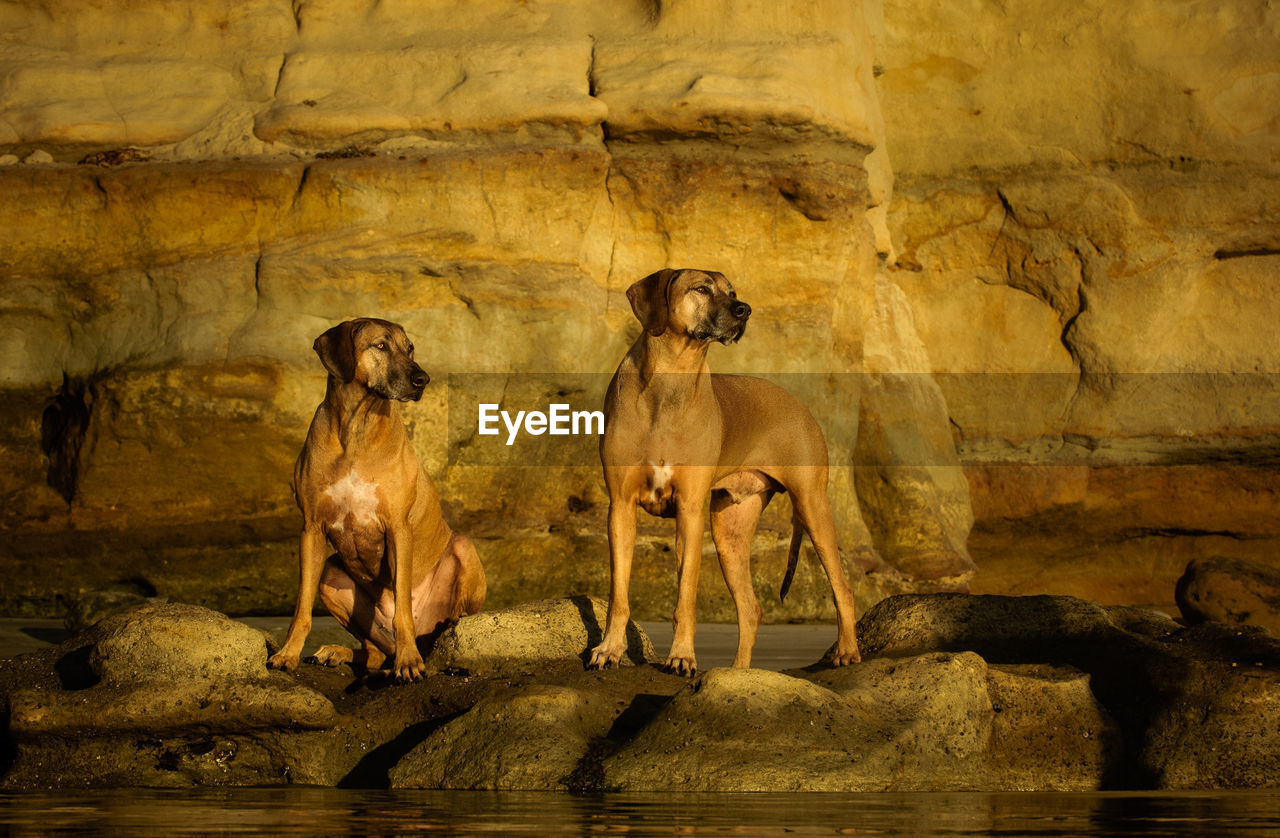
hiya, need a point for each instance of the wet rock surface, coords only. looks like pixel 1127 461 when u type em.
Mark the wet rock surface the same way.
pixel 956 692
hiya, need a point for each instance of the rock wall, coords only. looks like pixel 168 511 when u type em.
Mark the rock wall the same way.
pixel 191 196
pixel 1047 240
pixel 1086 229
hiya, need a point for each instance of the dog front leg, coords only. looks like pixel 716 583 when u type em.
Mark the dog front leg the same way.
pixel 408 664
pixel 310 563
pixel 690 525
pixel 622 544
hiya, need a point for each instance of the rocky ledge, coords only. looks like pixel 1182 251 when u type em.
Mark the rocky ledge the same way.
pixel 957 692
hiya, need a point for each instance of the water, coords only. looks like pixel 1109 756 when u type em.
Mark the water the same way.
pixel 315 811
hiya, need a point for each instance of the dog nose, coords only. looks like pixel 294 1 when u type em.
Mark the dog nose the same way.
pixel 740 310
pixel 419 378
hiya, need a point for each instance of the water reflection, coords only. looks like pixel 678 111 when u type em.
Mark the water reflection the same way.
pixel 312 811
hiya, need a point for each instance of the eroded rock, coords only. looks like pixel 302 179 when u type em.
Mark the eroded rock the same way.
pixel 956 692
pixel 739 730
pixel 1230 591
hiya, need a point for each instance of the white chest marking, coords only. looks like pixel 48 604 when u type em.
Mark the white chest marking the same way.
pixel 659 476
pixel 355 497
pixel 659 490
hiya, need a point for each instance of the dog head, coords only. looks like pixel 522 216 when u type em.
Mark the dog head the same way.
pixel 700 305
pixel 374 353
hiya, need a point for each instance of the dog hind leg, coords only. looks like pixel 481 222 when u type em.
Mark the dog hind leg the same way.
pixel 813 510
pixel 453 589
pixel 733 526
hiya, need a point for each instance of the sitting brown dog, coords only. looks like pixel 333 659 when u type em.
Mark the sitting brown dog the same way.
pixel 674 433
pixel 399 574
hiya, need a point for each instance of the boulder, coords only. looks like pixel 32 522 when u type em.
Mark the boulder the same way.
pixel 532 738
pixel 1013 629
pixel 740 730
pixel 956 693
pixel 1230 591
pixel 1048 730
pixel 952 721
pixel 518 638
pixel 177 643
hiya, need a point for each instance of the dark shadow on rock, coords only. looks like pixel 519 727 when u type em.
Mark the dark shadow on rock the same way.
pixel 637 714
pixel 8 749
pixel 588 776
pixel 594 633
pixel 373 769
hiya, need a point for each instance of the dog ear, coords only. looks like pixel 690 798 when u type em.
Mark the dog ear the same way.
pixel 337 351
pixel 649 301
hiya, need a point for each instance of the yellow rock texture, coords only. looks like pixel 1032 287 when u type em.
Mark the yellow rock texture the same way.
pixel 191 195
pixel 1019 264
pixel 1086 229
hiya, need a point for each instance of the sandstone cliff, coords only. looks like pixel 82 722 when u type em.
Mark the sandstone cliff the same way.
pixel 191 196
pixel 1086 229
pixel 1067 217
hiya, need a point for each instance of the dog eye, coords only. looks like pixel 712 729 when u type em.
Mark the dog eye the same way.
pixel 381 345
pixel 703 289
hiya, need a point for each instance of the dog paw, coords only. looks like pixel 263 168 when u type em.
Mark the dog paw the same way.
pixel 332 655
pixel 409 667
pixel 283 661
pixel 844 657
pixel 603 657
pixel 683 665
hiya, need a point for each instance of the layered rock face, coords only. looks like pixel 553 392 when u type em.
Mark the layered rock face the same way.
pixel 192 196
pixel 1086 231
pixel 1078 244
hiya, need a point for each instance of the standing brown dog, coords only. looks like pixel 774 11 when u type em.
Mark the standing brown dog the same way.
pixel 674 433
pixel 399 573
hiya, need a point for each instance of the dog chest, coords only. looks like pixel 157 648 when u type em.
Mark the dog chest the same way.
pixel 351 502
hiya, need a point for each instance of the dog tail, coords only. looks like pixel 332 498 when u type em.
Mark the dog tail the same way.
pixel 793 558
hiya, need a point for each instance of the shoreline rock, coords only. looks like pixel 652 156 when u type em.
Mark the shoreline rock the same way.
pixel 957 692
